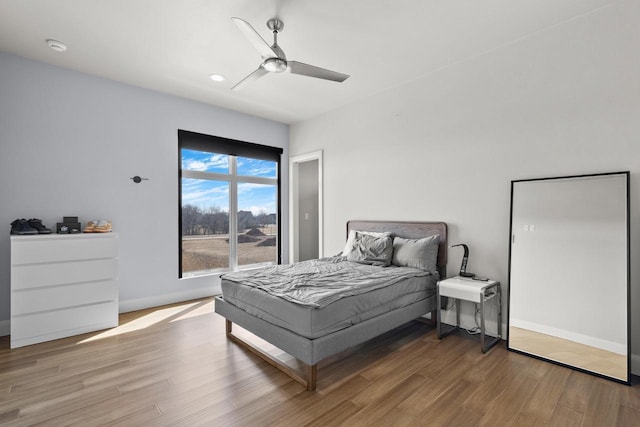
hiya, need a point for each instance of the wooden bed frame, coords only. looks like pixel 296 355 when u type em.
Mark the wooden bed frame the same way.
pixel 311 351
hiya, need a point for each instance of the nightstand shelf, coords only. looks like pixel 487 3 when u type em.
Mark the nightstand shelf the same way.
pixel 476 291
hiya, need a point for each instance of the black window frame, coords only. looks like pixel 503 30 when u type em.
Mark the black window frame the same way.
pixel 232 147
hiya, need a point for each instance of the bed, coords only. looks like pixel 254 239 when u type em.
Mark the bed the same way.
pixel 315 325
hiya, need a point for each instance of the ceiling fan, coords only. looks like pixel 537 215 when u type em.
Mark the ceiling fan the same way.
pixel 274 59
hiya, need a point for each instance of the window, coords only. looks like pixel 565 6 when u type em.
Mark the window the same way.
pixel 229 204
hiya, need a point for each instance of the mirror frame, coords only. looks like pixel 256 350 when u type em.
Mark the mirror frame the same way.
pixel 626 381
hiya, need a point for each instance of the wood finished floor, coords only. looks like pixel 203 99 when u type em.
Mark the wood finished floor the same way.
pixel 569 352
pixel 173 366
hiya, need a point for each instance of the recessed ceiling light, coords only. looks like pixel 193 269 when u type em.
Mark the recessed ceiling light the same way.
pixel 56 45
pixel 216 77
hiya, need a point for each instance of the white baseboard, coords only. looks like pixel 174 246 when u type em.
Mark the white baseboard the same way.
pixel 614 347
pixel 126 306
pixel 5 327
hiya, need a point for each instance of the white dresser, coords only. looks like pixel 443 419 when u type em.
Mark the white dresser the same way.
pixel 62 285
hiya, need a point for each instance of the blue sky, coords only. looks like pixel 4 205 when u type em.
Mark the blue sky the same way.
pixel 257 198
pixel 206 162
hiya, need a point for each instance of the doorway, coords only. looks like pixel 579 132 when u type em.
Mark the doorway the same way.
pixel 305 205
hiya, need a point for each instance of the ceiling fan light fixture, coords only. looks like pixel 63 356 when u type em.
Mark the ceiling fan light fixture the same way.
pixel 275 65
pixel 217 77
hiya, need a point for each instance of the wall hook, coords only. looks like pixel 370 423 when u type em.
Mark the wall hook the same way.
pixel 138 179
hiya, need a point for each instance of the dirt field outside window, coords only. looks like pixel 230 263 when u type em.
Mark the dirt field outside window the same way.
pixel 210 252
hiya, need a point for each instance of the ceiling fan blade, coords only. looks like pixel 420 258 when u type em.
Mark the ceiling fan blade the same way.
pixel 256 40
pixel 303 69
pixel 259 72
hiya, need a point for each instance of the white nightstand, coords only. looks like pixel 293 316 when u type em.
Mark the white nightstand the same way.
pixel 476 291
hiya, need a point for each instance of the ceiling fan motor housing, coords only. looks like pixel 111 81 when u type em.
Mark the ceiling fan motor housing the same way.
pixel 275 65
pixel 274 24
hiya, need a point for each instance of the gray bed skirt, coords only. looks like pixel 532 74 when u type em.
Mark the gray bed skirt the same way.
pixel 311 351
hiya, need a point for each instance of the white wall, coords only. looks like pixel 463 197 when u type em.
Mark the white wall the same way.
pixel 70 143
pixel 562 101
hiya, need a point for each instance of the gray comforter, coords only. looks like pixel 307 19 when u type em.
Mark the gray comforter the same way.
pixel 320 282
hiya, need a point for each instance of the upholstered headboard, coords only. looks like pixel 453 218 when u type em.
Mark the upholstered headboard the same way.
pixel 409 230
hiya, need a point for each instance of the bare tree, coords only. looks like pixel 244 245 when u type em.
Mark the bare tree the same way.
pixel 262 218
pixel 196 221
pixel 221 221
pixel 215 221
pixel 191 217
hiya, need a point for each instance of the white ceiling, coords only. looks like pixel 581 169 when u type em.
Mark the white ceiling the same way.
pixel 173 46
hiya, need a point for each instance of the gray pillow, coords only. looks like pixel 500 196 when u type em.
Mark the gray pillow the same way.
pixel 371 250
pixel 348 247
pixel 416 253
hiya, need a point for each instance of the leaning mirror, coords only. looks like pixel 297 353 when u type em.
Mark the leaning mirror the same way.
pixel 569 272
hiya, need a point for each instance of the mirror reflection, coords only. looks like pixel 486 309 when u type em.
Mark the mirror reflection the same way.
pixel 569 280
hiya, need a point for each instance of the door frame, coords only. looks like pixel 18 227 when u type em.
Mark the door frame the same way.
pixel 294 162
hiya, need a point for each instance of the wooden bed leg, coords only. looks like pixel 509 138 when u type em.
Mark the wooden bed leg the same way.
pixel 434 318
pixel 432 321
pixel 310 371
pixel 228 327
pixel 312 374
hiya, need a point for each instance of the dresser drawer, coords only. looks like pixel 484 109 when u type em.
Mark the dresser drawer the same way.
pixel 64 296
pixel 47 249
pixel 43 275
pixel 55 324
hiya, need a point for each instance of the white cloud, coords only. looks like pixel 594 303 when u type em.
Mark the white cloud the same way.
pixel 216 161
pixel 253 167
pixel 256 210
pixel 198 193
